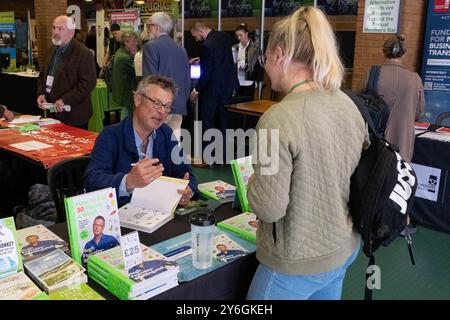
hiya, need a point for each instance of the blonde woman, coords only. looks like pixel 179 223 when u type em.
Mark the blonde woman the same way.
pixel 305 237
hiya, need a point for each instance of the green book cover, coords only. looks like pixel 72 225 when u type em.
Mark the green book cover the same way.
pixel 242 170
pixel 119 281
pixel 10 259
pixel 93 222
pixel 217 190
pixel 76 292
pixel 244 225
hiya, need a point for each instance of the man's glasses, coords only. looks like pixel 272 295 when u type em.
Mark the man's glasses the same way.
pixel 262 59
pixel 157 104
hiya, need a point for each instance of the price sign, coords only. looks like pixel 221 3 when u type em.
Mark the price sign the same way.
pixel 131 250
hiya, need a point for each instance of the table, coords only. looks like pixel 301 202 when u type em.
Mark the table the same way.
pixel 228 282
pixel 65 142
pixel 431 162
pixel 101 102
pixel 19 92
pixel 252 108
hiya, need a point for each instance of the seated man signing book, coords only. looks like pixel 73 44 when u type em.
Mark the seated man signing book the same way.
pixel 138 150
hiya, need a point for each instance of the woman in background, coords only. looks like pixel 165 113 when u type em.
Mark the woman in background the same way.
pixel 403 92
pixel 246 55
pixel 315 136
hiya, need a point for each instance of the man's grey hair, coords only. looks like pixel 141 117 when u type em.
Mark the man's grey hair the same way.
pixel 157 80
pixel 163 20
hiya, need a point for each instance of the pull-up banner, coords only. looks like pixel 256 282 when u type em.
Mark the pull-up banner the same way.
pixel 436 60
pixel 7 40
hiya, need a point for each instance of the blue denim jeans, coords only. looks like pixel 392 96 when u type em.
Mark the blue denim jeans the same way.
pixel 268 284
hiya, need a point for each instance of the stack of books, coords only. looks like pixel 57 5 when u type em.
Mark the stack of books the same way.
pixel 55 270
pixel 243 225
pixel 19 287
pixel 14 284
pixel 37 241
pixel 217 190
pixel 154 275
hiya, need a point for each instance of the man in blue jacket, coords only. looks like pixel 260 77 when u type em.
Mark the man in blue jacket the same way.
pixel 138 150
pixel 217 81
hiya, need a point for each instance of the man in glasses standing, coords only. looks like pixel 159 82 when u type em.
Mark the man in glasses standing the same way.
pixel 139 149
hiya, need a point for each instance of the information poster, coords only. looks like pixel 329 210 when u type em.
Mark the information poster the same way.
pixel 381 16
pixel 7 40
pixel 436 60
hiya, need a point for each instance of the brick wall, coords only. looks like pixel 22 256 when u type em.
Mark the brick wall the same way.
pixel 369 46
pixel 45 13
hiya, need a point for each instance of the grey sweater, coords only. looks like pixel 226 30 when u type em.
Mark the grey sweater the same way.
pixel 305 226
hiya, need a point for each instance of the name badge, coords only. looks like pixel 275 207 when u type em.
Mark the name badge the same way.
pixel 49 84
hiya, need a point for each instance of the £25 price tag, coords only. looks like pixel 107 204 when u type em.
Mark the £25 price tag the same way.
pixel 131 250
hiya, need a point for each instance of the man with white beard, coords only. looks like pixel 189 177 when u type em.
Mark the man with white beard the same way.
pixel 67 77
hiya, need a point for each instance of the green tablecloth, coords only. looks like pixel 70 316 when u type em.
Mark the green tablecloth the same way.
pixel 101 102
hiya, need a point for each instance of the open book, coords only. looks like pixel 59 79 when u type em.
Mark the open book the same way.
pixel 152 206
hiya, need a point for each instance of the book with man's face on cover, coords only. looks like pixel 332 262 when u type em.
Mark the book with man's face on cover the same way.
pixel 36 241
pixel 93 222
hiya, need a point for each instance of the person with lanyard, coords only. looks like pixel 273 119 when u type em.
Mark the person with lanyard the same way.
pixel 305 239
pixel 248 68
pixel 68 76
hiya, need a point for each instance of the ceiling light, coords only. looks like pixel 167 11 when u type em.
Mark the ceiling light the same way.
pixel 140 1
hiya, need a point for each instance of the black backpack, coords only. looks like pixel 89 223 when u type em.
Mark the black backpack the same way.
pixel 374 103
pixel 382 191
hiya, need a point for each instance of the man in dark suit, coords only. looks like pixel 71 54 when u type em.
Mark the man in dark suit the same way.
pixel 217 81
pixel 165 57
pixel 68 76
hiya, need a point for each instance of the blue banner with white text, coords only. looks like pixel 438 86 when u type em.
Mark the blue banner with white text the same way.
pixel 436 60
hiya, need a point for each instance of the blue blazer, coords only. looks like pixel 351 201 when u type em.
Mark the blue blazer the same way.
pixel 115 150
pixel 218 77
pixel 165 57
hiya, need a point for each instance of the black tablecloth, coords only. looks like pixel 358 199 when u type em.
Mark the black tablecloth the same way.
pixel 228 282
pixel 434 183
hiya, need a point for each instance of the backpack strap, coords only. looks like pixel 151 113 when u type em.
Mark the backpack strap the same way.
pixel 368 292
pixel 361 104
pixel 373 78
